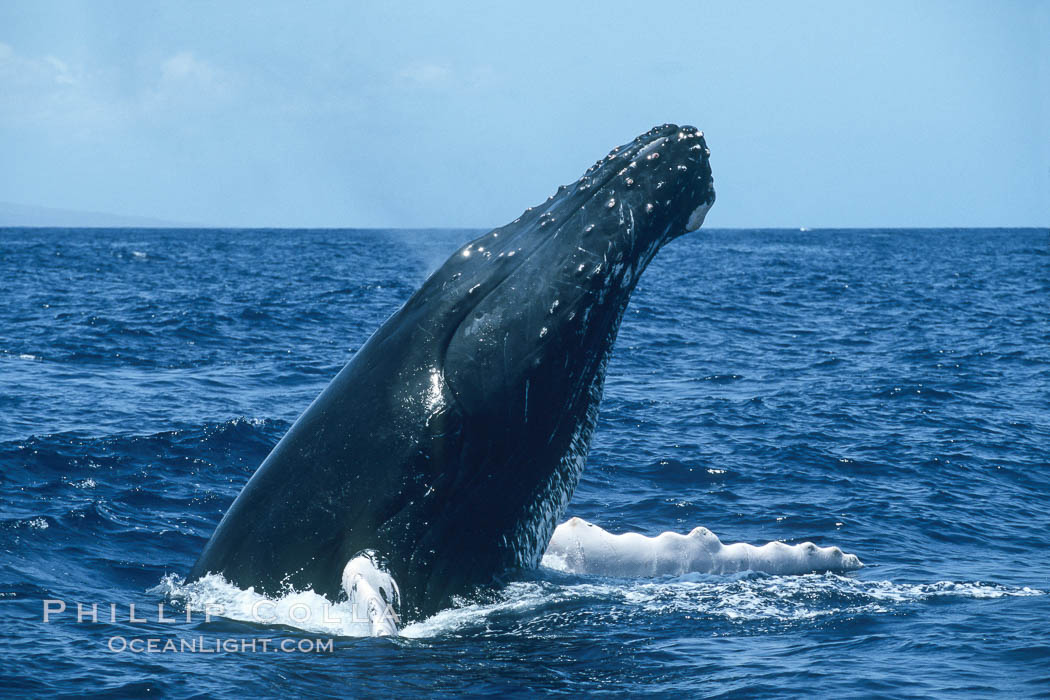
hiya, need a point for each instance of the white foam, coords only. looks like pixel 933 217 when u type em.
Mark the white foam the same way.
pixel 216 597
pixel 535 607
pixel 579 547
pixel 36 523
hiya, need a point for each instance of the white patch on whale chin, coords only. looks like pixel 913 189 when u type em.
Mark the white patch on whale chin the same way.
pixel 578 547
pixel 696 219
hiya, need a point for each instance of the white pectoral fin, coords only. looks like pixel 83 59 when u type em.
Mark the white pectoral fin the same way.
pixel 582 548
pixel 373 595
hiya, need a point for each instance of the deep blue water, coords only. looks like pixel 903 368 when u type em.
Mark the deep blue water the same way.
pixel 884 391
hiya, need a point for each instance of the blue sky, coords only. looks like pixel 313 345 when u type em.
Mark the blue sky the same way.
pixel 463 114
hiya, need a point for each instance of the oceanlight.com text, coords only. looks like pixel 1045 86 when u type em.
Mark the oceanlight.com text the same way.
pixel 202 645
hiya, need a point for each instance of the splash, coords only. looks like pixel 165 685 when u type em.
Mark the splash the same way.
pixel 215 597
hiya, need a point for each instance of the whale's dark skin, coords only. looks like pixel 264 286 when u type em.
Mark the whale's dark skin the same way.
pixel 452 441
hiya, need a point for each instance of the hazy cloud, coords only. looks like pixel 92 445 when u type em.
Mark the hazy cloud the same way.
pixel 442 75
pixel 42 91
pixel 184 68
pixel 20 72
pixel 429 74
pixel 188 82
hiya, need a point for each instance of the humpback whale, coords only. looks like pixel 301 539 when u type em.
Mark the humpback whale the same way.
pixel 448 447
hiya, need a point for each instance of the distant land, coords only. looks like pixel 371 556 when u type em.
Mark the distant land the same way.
pixel 12 214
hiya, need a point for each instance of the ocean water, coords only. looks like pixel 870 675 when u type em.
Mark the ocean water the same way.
pixel 885 391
